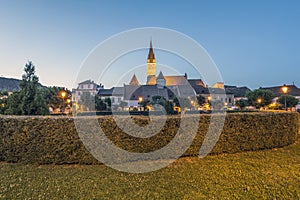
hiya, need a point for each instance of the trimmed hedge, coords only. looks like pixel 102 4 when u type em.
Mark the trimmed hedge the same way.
pixel 54 140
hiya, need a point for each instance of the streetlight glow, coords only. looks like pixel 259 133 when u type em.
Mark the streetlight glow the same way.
pixel 259 100
pixel 284 90
pixel 140 99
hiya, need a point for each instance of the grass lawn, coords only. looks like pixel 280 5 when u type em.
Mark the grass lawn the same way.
pixel 268 174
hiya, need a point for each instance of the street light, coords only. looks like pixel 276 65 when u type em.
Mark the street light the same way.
pixel 259 100
pixel 284 90
pixel 209 98
pixel 63 95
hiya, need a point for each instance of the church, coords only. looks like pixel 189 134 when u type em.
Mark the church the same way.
pixel 168 87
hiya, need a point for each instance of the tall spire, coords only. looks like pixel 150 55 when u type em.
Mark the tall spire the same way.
pixel 151 57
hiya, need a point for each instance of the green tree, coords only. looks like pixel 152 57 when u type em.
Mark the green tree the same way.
pixel 291 101
pixel 265 96
pixel 30 100
pixel 99 104
pixel 144 104
pixel 242 103
pixel 169 107
pixel 107 100
pixel 201 100
pixel 53 98
pixel 182 102
pixel 14 104
pixel 87 101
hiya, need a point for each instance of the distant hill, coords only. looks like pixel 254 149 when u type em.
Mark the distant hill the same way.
pixel 9 84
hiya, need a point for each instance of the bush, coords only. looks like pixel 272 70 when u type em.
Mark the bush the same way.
pixel 45 140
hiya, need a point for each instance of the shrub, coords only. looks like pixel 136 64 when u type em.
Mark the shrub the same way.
pixel 45 140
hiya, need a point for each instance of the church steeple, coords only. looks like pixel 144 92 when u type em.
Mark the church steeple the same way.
pixel 151 57
pixel 151 66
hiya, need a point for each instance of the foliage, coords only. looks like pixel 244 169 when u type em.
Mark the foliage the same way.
pixel 53 98
pixel 182 102
pixel 3 105
pixel 39 140
pixel 266 97
pixel 217 104
pixel 291 101
pixel 201 100
pixel 87 101
pixel 99 104
pixel 30 100
pixel 242 103
pixel 144 104
pixel 107 100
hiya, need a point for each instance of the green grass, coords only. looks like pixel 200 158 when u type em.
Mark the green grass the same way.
pixel 268 174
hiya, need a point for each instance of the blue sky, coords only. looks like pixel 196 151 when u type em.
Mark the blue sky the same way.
pixel 253 43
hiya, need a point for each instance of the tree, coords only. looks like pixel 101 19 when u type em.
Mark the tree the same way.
pixel 107 100
pixel 53 98
pixel 144 104
pixel 99 104
pixel 201 100
pixel 217 104
pixel 242 103
pixel 30 100
pixel 87 101
pixel 260 98
pixel 291 101
pixel 13 104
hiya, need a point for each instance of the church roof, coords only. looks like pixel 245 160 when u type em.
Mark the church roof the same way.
pixel 134 81
pixel 151 56
pixel 176 80
pixel 196 82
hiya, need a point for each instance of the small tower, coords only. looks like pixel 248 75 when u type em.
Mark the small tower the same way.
pixel 151 66
pixel 134 81
pixel 160 80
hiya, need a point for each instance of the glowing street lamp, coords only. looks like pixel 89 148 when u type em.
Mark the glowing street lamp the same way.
pixel 63 94
pixel 284 89
pixel 140 99
pixel 259 100
pixel 209 98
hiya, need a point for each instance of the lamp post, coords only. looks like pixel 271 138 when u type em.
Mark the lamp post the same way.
pixel 63 95
pixel 284 90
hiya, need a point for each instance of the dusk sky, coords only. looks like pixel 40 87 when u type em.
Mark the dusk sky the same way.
pixel 253 43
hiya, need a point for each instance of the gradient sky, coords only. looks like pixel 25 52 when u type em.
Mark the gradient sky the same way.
pixel 253 43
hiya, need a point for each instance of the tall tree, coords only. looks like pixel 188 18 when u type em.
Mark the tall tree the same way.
pixel 30 99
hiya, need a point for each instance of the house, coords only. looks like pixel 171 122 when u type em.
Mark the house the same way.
pixel 238 92
pixel 86 86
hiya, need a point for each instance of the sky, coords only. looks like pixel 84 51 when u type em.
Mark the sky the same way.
pixel 253 43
